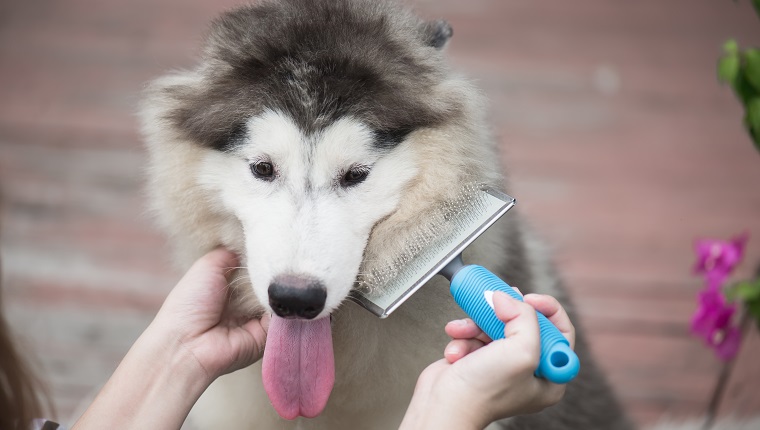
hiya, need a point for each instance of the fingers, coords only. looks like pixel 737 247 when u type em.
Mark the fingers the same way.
pixel 522 338
pixel 554 312
pixel 458 348
pixel 258 329
pixel 507 310
pixel 202 291
pixel 210 272
pixel 466 329
pixel 520 322
pixel 210 269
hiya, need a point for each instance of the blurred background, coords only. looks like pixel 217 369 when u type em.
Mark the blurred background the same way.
pixel 621 147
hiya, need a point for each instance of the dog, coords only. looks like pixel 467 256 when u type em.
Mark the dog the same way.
pixel 310 139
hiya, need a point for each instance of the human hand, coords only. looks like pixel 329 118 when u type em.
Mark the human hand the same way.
pixel 191 342
pixel 480 381
pixel 194 316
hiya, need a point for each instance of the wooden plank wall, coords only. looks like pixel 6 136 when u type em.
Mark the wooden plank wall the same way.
pixel 620 147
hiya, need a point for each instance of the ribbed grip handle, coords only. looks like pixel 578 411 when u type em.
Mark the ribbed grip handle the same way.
pixel 558 362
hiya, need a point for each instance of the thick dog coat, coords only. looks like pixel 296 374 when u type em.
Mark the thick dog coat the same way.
pixel 310 138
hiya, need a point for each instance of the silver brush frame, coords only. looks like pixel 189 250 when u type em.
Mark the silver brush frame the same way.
pixel 365 302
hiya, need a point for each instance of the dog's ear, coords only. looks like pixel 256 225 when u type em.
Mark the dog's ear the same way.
pixel 437 33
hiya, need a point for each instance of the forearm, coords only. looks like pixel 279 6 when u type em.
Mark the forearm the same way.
pixel 155 386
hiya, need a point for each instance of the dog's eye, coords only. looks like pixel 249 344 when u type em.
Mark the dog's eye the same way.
pixel 263 170
pixel 354 176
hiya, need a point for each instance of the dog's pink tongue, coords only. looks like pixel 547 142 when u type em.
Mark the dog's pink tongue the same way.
pixel 298 368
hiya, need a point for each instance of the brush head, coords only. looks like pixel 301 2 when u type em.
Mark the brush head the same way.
pixel 443 233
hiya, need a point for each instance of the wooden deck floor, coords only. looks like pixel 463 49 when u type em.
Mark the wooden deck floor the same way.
pixel 620 146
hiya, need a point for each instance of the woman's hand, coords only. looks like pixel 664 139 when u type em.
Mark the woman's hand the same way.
pixel 480 381
pixel 191 342
pixel 194 316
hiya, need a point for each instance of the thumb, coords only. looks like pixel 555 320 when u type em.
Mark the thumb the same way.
pixel 248 342
pixel 259 330
pixel 520 324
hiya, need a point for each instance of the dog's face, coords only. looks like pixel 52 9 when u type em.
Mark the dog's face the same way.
pixel 304 122
pixel 307 204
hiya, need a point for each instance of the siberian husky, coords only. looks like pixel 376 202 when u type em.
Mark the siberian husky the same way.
pixel 310 139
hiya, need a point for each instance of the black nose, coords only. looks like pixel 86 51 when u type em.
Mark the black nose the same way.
pixel 293 296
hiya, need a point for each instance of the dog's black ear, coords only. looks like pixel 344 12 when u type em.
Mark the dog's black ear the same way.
pixel 437 33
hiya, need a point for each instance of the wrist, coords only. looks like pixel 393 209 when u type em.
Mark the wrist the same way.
pixel 433 409
pixel 172 357
pixel 155 386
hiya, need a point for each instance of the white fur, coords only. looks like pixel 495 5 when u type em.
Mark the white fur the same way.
pixel 303 221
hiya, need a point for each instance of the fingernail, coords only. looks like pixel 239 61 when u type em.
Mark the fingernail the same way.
pixel 451 350
pixel 510 304
pixel 460 323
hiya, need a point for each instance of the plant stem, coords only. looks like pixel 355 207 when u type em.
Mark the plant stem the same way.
pixel 725 373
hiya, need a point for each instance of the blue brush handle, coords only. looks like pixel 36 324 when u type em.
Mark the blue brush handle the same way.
pixel 558 362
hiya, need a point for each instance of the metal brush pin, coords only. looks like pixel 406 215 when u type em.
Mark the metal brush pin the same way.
pixel 436 248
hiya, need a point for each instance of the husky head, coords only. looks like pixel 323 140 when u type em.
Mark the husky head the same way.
pixel 303 138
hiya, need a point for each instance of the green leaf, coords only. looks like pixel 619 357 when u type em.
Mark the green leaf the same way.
pixel 731 47
pixel 745 291
pixel 756 4
pixel 752 67
pixel 753 114
pixel 730 292
pixel 743 89
pixel 753 309
pixel 728 69
pixel 753 134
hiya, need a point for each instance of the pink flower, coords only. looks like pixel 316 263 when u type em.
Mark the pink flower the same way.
pixel 712 322
pixel 713 319
pixel 711 314
pixel 716 259
pixel 726 343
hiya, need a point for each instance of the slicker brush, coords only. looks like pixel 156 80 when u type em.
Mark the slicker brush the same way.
pixel 435 247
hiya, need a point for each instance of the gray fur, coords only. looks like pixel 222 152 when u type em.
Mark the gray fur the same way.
pixel 317 60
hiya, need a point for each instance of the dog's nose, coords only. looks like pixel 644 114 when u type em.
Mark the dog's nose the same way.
pixel 293 296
